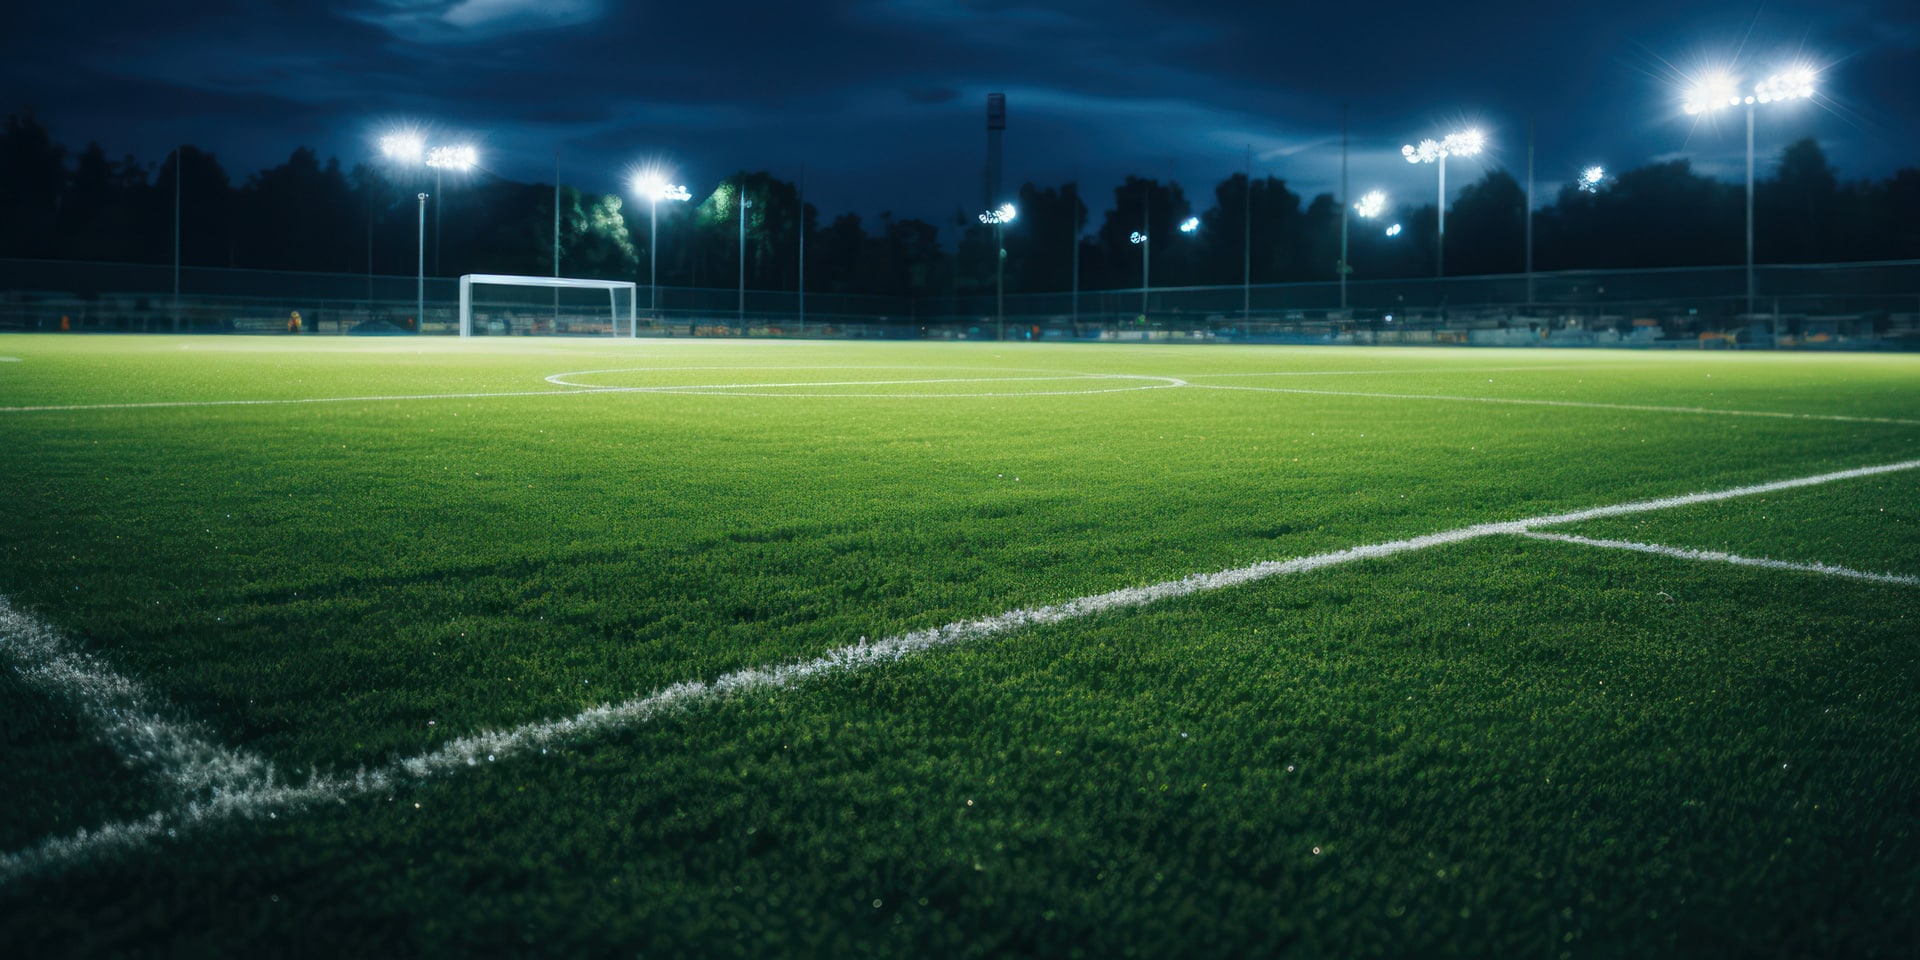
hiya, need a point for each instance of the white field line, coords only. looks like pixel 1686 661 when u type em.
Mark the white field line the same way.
pixel 584 389
pixel 762 389
pixel 1586 404
pixel 1716 556
pixel 161 404
pixel 1388 372
pixel 261 795
pixel 124 714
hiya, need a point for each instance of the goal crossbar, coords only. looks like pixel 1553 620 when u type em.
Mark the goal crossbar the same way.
pixel 613 288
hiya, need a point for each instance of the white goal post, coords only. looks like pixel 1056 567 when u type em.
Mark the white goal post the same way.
pixel 613 288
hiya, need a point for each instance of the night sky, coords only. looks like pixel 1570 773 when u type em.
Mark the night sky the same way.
pixel 882 101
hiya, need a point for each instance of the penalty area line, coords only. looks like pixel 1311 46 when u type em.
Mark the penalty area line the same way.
pixel 258 794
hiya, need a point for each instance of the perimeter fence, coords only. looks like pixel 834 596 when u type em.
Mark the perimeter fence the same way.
pixel 1846 306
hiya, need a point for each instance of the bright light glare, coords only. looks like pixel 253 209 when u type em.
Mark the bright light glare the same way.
pixel 402 147
pixel 1137 237
pixel 1393 231
pixel 462 157
pixel 1591 178
pixel 1466 143
pixel 1795 82
pixel 1371 204
pixel 652 185
pixel 1712 92
pixel 1189 225
pixel 1005 214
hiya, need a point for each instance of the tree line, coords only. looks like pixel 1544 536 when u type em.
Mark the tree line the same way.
pixel 310 215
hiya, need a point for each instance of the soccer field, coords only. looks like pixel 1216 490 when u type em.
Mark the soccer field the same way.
pixel 677 647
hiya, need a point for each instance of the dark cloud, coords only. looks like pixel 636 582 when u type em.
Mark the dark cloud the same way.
pixel 882 100
pixel 931 94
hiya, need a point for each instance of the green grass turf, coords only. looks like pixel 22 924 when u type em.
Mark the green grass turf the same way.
pixel 340 584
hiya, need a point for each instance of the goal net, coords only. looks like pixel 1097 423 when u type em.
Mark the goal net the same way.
pixel 501 305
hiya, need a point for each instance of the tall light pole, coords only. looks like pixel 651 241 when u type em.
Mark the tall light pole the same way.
pixel 999 220
pixel 1140 238
pixel 1146 270
pixel 1073 217
pixel 179 160
pixel 408 148
pixel 745 205
pixel 1371 204
pixel 1718 91
pixel 420 278
pixel 1530 289
pixel 653 185
pixel 461 158
pixel 1345 268
pixel 1246 242
pixel 1465 143
pixel 800 199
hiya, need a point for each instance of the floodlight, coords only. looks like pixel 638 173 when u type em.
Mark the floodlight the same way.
pixel 1466 143
pixel 1712 92
pixel 1137 237
pixel 402 147
pixel 1005 214
pixel 1393 231
pixel 651 185
pixel 1462 143
pixel 462 157
pixel 1371 204
pixel 1721 89
pixel 1189 225
pixel 1794 83
pixel 1591 178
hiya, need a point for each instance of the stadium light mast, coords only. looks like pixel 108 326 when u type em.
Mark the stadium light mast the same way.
pixel 1139 237
pixel 1465 143
pixel 1370 206
pixel 179 158
pixel 1720 90
pixel 420 278
pixel 409 148
pixel 745 204
pixel 653 185
pixel 999 219
pixel 461 158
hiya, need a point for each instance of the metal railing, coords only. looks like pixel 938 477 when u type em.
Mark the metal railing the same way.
pixel 1866 305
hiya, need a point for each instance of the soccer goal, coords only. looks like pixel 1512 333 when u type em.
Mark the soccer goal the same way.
pixel 508 305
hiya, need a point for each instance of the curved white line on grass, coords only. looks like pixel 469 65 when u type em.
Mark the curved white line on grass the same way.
pixel 1591 405
pixel 125 715
pixel 1735 559
pixel 162 404
pixel 261 795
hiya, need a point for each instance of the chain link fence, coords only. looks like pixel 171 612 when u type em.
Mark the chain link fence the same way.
pixel 1856 306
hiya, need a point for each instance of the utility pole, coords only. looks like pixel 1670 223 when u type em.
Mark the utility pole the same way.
pixel 1246 244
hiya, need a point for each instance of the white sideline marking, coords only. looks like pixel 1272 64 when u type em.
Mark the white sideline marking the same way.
pixel 1587 404
pixel 9 359
pixel 157 404
pixel 1715 555
pixel 257 793
pixel 125 715
pixel 761 389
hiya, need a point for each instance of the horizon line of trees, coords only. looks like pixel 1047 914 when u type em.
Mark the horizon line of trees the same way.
pixel 307 215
